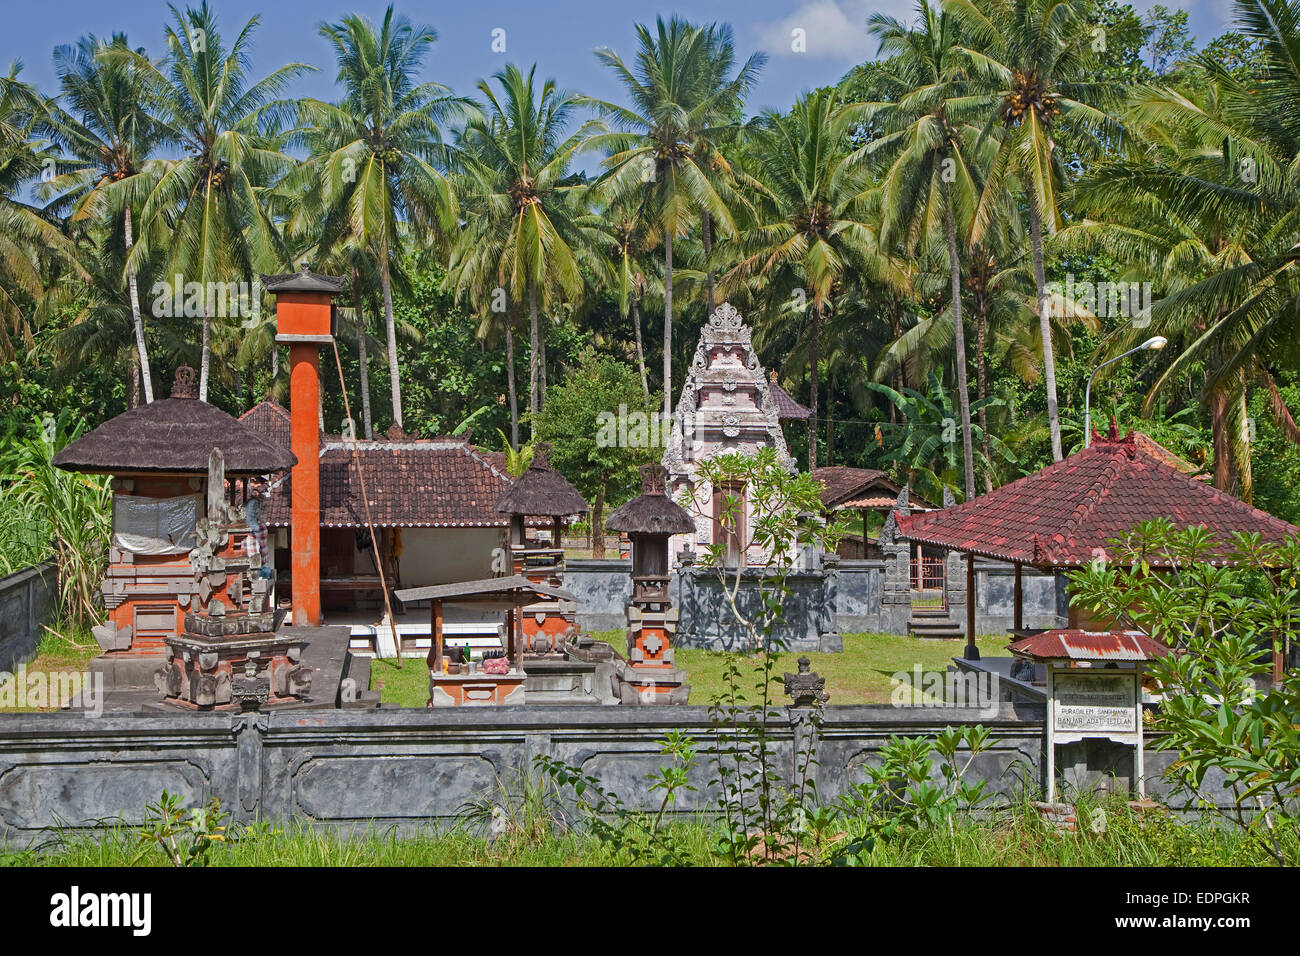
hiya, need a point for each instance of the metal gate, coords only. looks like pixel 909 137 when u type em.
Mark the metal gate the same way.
pixel 929 580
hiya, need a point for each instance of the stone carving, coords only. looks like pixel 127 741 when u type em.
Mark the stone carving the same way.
pixel 806 687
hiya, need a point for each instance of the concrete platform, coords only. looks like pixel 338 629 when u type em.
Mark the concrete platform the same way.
pixel 326 654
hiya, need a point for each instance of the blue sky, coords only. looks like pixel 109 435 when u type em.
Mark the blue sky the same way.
pixel 559 36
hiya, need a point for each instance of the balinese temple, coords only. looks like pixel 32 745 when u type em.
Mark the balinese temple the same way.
pixel 1065 516
pixel 727 404
pixel 159 456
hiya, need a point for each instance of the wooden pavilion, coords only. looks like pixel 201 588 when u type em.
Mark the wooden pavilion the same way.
pixel 1065 516
pixel 509 594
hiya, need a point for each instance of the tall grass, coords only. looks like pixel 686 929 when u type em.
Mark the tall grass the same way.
pixel 68 511
pixel 1013 837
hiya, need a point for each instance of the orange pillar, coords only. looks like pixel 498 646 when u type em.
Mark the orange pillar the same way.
pixel 303 320
pixel 304 431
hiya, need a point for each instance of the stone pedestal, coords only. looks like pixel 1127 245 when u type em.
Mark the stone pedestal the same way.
pixel 649 675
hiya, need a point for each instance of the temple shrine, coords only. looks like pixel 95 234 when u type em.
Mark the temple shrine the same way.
pixel 727 404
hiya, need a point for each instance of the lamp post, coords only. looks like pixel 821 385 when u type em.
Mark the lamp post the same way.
pixel 1155 343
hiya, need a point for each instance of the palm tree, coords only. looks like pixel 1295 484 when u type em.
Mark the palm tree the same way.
pixel 1220 246
pixel 29 238
pixel 811 224
pixel 1031 58
pixel 377 157
pixel 684 99
pixel 919 445
pixel 108 131
pixel 209 202
pixel 524 232
pixel 933 181
pixel 628 242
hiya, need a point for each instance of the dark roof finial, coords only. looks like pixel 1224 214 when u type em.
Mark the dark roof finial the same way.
pixel 183 386
pixel 1114 429
pixel 653 479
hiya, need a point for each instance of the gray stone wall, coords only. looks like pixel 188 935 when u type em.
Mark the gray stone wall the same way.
pixel 707 620
pixel 865 596
pixel 28 600
pixel 603 590
pixel 409 767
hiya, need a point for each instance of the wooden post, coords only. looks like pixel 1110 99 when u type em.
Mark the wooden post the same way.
pixel 1019 620
pixel 511 614
pixel 435 610
pixel 519 639
pixel 972 652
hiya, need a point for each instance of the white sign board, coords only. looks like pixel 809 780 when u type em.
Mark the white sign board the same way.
pixel 1095 703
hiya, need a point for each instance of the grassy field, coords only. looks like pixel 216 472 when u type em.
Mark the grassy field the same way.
pixel 862 674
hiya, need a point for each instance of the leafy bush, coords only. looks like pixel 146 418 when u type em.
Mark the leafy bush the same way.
pixel 1224 618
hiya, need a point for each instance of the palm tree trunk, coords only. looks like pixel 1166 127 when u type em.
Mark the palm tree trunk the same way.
pixel 133 385
pixel 598 525
pixel 1045 330
pixel 668 323
pixel 394 379
pixel 640 347
pixel 814 361
pixel 541 367
pixel 981 385
pixel 895 329
pixel 140 345
pixel 959 347
pixel 706 231
pixel 830 423
pixel 510 380
pixel 367 428
pixel 1222 440
pixel 205 359
pixel 532 350
pixel 1244 473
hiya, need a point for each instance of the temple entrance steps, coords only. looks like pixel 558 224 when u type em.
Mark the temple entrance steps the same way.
pixel 933 624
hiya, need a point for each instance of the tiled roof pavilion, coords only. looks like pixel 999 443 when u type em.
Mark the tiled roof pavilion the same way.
pixel 1064 515
pixel 411 483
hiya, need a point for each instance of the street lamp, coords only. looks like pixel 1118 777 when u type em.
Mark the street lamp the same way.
pixel 1155 343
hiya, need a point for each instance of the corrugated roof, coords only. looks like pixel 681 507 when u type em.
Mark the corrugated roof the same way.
pixel 1076 644
pixel 1065 514
pixel 485 589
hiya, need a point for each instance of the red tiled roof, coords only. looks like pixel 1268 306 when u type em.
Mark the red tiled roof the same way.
pixel 1064 515
pixel 787 409
pixel 1159 452
pixel 843 485
pixel 1072 643
pixel 411 483
pixel 270 419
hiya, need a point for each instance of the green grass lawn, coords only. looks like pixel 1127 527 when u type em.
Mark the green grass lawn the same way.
pixel 862 674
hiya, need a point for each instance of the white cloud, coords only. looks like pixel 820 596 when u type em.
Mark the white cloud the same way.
pixel 832 29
